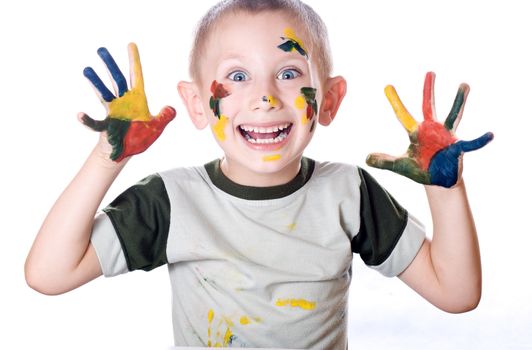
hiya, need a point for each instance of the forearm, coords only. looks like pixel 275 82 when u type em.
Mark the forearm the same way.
pixel 447 271
pixel 56 256
pixel 454 250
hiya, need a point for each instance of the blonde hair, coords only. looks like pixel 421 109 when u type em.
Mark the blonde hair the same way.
pixel 302 13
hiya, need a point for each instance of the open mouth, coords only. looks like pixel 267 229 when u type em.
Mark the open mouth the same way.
pixel 265 135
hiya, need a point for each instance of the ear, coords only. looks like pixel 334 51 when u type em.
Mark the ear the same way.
pixel 191 98
pixel 335 89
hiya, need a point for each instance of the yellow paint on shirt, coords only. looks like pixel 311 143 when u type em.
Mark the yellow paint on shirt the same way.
pixel 227 336
pixel 219 128
pixel 244 320
pixel 291 227
pixel 210 315
pixel 302 303
pixel 271 157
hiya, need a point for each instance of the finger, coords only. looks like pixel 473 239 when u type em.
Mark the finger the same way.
pixel 408 122
pixel 455 115
pixel 402 166
pixel 102 90
pixel 167 114
pixel 96 125
pixel 429 111
pixel 135 68
pixel 381 161
pixel 468 146
pixel 118 78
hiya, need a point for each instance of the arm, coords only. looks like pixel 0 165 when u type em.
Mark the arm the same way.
pixel 62 257
pixel 446 271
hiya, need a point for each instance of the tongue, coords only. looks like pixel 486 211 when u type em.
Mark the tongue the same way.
pixel 262 135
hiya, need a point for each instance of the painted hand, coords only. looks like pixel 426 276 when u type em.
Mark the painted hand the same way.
pixel 130 127
pixel 434 155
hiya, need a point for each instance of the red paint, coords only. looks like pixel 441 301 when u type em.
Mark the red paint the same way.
pixel 428 96
pixel 310 112
pixel 142 135
pixel 432 137
pixel 218 90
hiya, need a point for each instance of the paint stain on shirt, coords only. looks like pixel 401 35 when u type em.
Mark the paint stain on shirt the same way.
pixel 301 303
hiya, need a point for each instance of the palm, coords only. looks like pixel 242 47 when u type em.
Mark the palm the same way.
pixel 130 127
pixel 434 154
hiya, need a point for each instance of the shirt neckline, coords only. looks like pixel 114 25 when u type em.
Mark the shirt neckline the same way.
pixel 225 184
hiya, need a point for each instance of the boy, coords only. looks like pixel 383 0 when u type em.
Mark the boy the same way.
pixel 259 244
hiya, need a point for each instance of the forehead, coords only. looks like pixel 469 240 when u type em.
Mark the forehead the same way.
pixel 242 31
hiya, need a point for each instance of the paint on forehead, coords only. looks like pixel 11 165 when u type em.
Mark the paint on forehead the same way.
pixel 292 43
pixel 218 91
pixel 271 158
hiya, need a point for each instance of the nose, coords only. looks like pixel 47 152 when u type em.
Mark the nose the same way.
pixel 265 102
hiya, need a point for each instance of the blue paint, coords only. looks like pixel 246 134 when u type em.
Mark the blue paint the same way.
pixel 90 74
pixel 118 77
pixel 443 168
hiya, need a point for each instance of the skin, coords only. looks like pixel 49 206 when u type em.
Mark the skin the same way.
pixel 446 271
pixel 129 126
pixel 434 155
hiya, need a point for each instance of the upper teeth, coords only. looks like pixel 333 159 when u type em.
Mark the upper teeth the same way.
pixel 264 130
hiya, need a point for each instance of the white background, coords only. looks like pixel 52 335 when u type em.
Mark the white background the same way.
pixel 46 44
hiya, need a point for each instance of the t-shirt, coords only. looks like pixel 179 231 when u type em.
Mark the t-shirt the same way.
pixel 262 267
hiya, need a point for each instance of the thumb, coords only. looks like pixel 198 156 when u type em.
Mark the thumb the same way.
pixel 167 114
pixel 468 146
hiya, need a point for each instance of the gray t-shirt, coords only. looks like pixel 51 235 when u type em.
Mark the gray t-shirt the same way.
pixel 257 267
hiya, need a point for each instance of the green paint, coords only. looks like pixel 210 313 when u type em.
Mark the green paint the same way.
pixel 116 132
pixel 291 45
pixel 404 166
pixel 455 110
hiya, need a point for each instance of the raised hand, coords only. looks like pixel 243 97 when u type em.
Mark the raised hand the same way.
pixel 130 127
pixel 434 155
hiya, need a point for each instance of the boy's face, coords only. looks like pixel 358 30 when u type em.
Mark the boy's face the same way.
pixel 261 94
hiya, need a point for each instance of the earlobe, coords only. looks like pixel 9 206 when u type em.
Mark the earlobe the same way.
pixel 191 98
pixel 335 89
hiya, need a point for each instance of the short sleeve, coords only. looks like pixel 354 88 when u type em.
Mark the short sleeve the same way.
pixel 134 229
pixel 389 237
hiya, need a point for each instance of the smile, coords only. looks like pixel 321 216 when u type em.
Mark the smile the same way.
pixel 265 135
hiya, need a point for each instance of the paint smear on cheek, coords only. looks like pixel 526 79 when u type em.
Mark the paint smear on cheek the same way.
pixel 218 91
pixel 307 101
pixel 271 158
pixel 219 127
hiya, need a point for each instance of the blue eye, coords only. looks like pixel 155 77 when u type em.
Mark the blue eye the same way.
pixel 238 76
pixel 288 74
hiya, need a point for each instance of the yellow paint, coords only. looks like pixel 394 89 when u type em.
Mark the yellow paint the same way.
pixel 302 303
pixel 291 226
pixel 271 157
pixel 290 34
pixel 300 102
pixel 227 336
pixel 408 122
pixel 244 320
pixel 131 106
pixel 210 315
pixel 272 101
pixel 134 59
pixel 219 127
pixel 304 119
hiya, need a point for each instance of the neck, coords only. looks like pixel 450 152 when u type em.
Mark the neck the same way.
pixel 242 175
